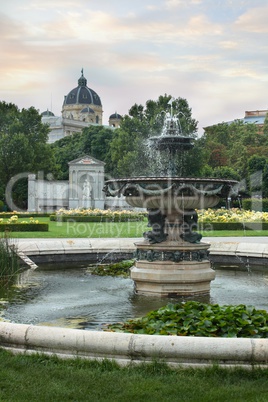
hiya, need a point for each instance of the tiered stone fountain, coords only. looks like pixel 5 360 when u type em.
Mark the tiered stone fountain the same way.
pixel 171 261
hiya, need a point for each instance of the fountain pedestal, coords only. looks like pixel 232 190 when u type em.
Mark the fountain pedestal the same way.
pixel 172 268
pixel 171 261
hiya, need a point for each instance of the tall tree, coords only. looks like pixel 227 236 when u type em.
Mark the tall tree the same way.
pixel 94 141
pixel 23 145
pixel 129 148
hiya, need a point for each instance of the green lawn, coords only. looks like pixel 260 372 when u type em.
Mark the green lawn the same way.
pixel 113 229
pixel 39 378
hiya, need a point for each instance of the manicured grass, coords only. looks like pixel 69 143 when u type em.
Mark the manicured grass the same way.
pixel 40 378
pixel 114 229
pixel 86 229
pixel 235 233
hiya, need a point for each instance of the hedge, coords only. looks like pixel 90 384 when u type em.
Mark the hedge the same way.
pixel 209 226
pixel 95 218
pixel 24 227
pixel 255 204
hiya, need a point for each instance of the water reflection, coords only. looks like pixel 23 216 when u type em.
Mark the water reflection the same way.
pixel 72 297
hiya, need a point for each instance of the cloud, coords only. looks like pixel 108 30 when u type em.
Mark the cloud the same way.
pixel 10 29
pixel 209 51
pixel 229 44
pixel 254 20
pixel 170 4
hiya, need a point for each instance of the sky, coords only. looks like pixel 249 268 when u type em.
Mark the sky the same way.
pixel 213 53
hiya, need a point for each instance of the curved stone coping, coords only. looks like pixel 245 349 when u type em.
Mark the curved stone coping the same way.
pixel 132 348
pixel 244 247
pixel 241 249
pixel 76 245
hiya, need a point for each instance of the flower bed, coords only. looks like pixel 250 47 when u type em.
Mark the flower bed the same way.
pixel 96 215
pixel 7 215
pixel 13 225
pixel 231 215
pixel 232 219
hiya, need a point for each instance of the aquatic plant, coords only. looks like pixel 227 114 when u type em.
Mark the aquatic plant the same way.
pixel 199 319
pixel 9 260
pixel 120 268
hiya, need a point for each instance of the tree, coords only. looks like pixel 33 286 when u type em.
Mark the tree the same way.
pixel 233 144
pixel 256 166
pixel 94 141
pixel 128 148
pixel 130 153
pixel 65 150
pixel 265 126
pixel 23 146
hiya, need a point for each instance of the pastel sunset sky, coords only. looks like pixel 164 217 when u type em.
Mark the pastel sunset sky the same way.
pixel 214 53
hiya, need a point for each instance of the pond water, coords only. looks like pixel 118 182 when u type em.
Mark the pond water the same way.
pixel 72 297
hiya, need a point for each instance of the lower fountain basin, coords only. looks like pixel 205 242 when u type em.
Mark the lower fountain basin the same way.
pixel 69 296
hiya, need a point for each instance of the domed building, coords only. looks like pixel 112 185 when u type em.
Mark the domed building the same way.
pixel 82 103
pixel 81 108
pixel 115 119
pixel 47 113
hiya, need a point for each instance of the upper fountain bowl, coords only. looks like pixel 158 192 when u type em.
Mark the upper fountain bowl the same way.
pixel 171 143
pixel 171 193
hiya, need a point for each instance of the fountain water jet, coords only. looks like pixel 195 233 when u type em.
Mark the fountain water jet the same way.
pixel 171 261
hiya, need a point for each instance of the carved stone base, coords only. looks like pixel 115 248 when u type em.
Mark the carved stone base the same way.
pixel 172 269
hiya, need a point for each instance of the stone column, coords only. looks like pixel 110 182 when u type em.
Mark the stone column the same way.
pixel 32 193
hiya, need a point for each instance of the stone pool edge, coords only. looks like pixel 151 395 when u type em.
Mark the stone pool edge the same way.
pixel 126 349
pixel 236 249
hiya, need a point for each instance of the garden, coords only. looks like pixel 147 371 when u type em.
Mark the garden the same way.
pixel 72 379
pixel 79 223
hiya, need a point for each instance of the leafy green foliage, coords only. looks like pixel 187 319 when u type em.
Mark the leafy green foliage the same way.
pixel 199 319
pixel 94 141
pixel 23 146
pixel 117 269
pixel 240 147
pixel 24 227
pixel 129 151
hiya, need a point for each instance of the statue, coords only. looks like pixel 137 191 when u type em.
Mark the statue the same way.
pixel 157 221
pixel 86 189
pixel 189 226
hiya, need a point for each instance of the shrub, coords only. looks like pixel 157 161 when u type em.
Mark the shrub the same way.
pixel 24 227
pixel 233 226
pixel 255 204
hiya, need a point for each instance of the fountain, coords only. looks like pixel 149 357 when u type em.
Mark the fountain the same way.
pixel 172 260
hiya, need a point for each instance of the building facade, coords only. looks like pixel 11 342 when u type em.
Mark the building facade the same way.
pixel 81 108
pixel 82 190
